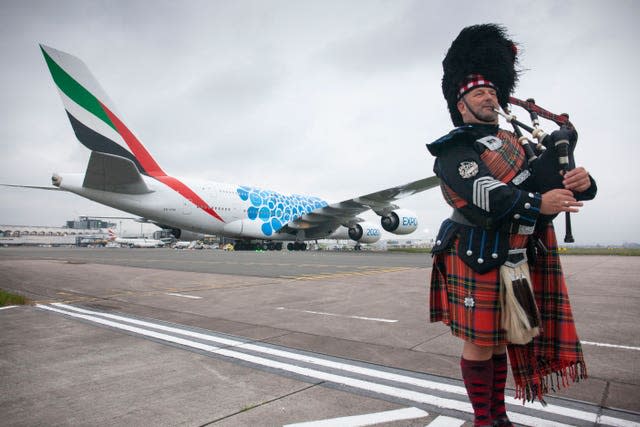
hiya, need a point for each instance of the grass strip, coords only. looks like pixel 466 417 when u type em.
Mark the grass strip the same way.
pixel 617 251
pixel 7 298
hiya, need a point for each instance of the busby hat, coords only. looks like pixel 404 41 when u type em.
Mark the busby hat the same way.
pixel 481 55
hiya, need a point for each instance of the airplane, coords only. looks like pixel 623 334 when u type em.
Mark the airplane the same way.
pixel 139 242
pixel 122 174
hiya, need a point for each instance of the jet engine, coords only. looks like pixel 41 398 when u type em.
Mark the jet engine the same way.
pixel 365 232
pixel 362 232
pixel 401 221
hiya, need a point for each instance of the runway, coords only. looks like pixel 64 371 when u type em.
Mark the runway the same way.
pixel 213 338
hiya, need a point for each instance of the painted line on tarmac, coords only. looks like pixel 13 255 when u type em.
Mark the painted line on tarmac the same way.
pixel 366 419
pixel 6 307
pixel 599 344
pixel 375 319
pixel 444 421
pixel 173 294
pixel 390 383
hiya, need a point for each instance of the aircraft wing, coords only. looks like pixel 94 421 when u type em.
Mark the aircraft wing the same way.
pixel 326 219
pixel 37 187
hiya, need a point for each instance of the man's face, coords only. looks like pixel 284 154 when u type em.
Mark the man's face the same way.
pixel 477 106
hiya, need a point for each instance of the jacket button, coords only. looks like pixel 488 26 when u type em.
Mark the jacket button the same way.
pixel 469 253
pixel 494 255
pixel 438 242
pixel 527 205
pixel 516 216
pixel 480 260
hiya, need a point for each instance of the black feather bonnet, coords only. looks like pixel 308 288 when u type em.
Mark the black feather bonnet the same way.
pixel 481 55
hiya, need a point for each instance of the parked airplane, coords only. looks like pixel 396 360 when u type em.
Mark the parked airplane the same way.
pixel 138 242
pixel 122 174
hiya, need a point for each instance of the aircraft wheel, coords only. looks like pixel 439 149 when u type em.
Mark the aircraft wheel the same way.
pixel 290 246
pixel 271 246
pixel 278 246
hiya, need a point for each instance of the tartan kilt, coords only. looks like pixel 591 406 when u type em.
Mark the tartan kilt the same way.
pixel 467 301
pixel 551 360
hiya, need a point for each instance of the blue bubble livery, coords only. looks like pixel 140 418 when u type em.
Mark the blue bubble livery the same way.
pixel 274 209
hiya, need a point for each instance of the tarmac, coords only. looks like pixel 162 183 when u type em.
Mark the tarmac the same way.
pixel 195 338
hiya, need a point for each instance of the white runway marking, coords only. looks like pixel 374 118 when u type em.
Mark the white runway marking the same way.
pixel 422 390
pixel 183 296
pixel 375 319
pixel 8 306
pixel 366 419
pixel 599 344
pixel 443 421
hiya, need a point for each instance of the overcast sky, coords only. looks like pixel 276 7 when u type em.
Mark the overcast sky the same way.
pixel 329 98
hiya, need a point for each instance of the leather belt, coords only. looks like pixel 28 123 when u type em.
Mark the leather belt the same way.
pixel 456 216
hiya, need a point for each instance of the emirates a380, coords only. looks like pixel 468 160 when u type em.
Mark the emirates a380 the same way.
pixel 122 174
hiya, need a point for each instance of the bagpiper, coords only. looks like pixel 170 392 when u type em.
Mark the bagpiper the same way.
pixel 496 279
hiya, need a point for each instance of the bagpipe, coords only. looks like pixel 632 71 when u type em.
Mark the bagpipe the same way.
pixel 552 155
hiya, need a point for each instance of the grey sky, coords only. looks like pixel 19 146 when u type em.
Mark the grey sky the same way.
pixel 330 98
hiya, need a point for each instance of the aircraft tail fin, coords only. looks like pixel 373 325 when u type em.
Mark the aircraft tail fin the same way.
pixel 92 114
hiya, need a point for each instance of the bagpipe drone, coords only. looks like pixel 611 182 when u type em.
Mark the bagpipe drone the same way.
pixel 553 154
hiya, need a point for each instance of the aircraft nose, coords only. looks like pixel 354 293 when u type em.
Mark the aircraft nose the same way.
pixel 56 180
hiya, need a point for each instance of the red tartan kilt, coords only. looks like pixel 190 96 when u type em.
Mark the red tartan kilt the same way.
pixel 452 284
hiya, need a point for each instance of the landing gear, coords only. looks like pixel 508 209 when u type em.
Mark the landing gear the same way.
pixel 357 247
pixel 242 245
pixel 297 246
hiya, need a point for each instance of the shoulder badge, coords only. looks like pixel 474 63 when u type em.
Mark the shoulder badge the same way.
pixel 468 169
pixel 491 142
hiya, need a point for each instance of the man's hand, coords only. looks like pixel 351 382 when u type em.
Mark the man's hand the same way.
pixel 577 180
pixel 559 200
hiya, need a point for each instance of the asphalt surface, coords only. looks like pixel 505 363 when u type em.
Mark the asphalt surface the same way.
pixel 165 337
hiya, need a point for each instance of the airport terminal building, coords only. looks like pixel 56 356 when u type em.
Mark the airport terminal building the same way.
pixel 80 232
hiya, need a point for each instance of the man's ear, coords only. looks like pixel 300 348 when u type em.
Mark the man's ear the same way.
pixel 461 106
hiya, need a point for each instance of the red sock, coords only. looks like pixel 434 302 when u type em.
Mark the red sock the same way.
pixel 498 409
pixel 478 379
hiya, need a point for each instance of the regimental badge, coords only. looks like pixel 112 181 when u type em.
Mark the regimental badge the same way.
pixel 491 142
pixel 469 302
pixel 468 169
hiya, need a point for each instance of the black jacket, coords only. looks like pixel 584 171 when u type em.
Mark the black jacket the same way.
pixel 494 191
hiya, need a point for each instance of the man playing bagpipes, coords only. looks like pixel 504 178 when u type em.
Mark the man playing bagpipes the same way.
pixel 496 279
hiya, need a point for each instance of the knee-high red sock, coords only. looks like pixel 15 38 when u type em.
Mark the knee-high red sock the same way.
pixel 498 410
pixel 478 379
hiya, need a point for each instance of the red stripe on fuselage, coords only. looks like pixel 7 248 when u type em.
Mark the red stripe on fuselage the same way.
pixel 153 169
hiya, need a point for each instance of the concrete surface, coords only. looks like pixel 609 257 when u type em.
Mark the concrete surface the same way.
pixel 358 308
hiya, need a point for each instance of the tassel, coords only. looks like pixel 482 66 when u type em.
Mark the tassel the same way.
pixel 520 316
pixel 524 296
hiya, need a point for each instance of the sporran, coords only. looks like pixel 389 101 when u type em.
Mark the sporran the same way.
pixel 520 316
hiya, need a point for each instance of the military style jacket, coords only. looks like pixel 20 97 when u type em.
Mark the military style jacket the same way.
pixel 494 192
